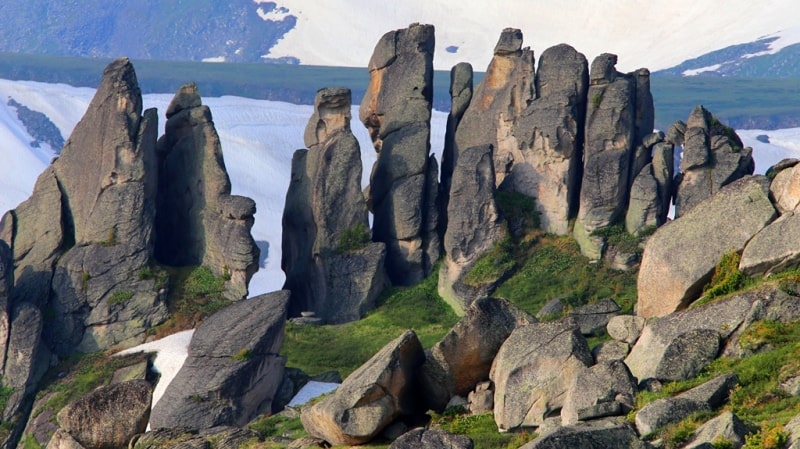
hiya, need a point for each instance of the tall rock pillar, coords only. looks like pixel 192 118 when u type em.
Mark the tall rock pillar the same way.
pixel 396 110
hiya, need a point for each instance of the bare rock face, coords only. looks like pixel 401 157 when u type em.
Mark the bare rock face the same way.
pixel 785 187
pixel 233 369
pixel 421 438
pixel 461 80
pixel 463 357
pixel 774 249
pixel 474 225
pixel 605 389
pixel 547 161
pixel 199 222
pixel 680 257
pixel 498 100
pixel 396 110
pixel 371 397
pixel 331 266
pixel 108 417
pixel 610 142
pixel 713 157
pixel 533 371
pixel 107 189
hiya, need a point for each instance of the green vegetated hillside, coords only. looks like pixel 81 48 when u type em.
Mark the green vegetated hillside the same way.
pixel 741 102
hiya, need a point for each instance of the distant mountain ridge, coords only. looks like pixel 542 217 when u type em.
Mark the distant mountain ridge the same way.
pixel 233 30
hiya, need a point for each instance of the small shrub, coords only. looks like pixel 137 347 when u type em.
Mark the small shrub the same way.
pixel 146 273
pixel 727 277
pixel 85 276
pixel 111 237
pixel 597 98
pixel 768 437
pixel 722 443
pixel 120 297
pixel 353 239
pixel 243 355
pixel 618 237
pixel 277 425
pixel 5 395
pixel 519 210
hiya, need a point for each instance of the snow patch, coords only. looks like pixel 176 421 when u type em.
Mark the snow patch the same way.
pixel 312 390
pixel 695 72
pixel 277 14
pixel 214 59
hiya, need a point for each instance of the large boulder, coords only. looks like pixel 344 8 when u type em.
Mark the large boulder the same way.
pixel 707 396
pixel 595 435
pixel 463 357
pixel 713 157
pixel 498 100
pixel 610 134
pixel 544 158
pixel 108 417
pixel 233 368
pixel 199 222
pixel 605 389
pixel 396 109
pixel 533 371
pixel 775 248
pixel 370 398
pixel 421 438
pixel 474 225
pixel 680 257
pixel 331 266
pixel 785 187
pixel 593 318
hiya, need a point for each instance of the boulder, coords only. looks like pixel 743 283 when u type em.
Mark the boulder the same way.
pixel 461 80
pixel 609 351
pixel 608 151
pixel 625 328
pixel 593 318
pixel 233 369
pixel 482 399
pixel 594 435
pixel 179 438
pixel 463 357
pixel 199 222
pixel 61 439
pixel 680 257
pixel 543 156
pixel 533 370
pixel 793 427
pixel 774 249
pixel 421 438
pixel 370 398
pixel 331 266
pixel 713 157
pixel 678 345
pixel 707 396
pixel 506 89
pixel 110 416
pixel 605 389
pixel 726 427
pixel 474 225
pixel 396 109
pixel 785 188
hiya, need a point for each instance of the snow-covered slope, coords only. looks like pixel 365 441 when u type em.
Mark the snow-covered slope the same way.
pixel 258 139
pixel 644 33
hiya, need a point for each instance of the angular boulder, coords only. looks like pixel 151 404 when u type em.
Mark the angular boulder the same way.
pixel 626 328
pixel 463 357
pixel 474 225
pixel 596 435
pixel 713 157
pixel 109 416
pixel 421 438
pixel 332 268
pixel 233 369
pixel 199 222
pixel 725 427
pixel 605 389
pixel 533 371
pixel 774 249
pixel 543 159
pixel 396 109
pixel 370 398
pixel 785 187
pixel 680 257
pixel 593 318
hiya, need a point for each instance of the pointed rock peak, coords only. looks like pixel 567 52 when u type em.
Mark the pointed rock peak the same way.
pixel 604 69
pixel 643 72
pixel 188 97
pixel 119 78
pixel 510 42
pixel 699 118
pixel 331 115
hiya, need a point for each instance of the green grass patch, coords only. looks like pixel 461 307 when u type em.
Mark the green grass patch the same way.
pixel 345 347
pixel 727 278
pixel 29 442
pixel 616 236
pixel 5 395
pixel 553 267
pixel 353 239
pixel 243 355
pixel 278 425
pixel 493 265
pixel 481 428
pixel 120 297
